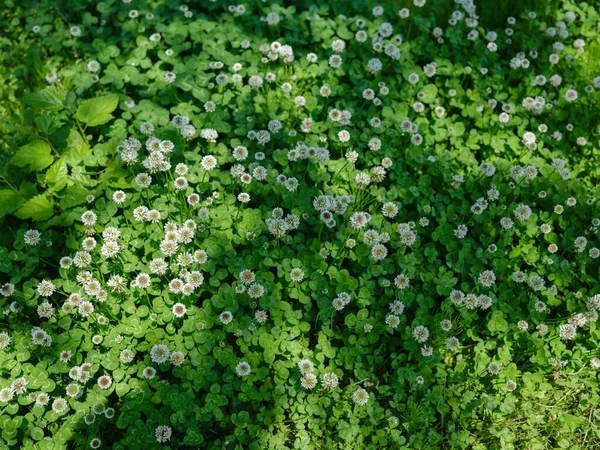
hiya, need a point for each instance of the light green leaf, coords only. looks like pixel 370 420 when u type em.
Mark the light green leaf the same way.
pixel 36 208
pixel 497 322
pixel 49 99
pixel 344 33
pixel 122 389
pixel 430 92
pixel 97 111
pixel 36 155
pixel 37 433
pixel 457 129
pixel 57 175
pixel 571 422
pixel 269 354
pixel 77 147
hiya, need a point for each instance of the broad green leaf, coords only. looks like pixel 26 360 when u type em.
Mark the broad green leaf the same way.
pixel 73 196
pixel 37 155
pixel 49 99
pixel 57 175
pixel 77 147
pixel 47 124
pixel 36 208
pixel 97 111
pixel 9 201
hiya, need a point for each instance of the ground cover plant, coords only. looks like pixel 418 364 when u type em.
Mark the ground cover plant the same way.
pixel 303 225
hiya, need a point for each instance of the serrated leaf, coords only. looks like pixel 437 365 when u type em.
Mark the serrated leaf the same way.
pixel 97 111
pixel 9 201
pixel 57 174
pixel 36 208
pixel 49 99
pixel 41 180
pixel 36 155
pixel 47 124
pixel 77 147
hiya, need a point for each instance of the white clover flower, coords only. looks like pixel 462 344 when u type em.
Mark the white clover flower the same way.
pixel 160 353
pixel 243 369
pixel 421 333
pixel 494 368
pixel 329 380
pixel 308 381
pixel 225 317
pixel 46 288
pixel 567 331
pixel 60 405
pixel 360 397
pixel 306 366
pixel 163 433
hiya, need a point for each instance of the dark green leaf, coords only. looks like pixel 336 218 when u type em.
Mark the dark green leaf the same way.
pixel 49 99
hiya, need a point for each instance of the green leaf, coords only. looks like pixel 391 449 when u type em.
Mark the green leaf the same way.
pixel 344 33
pixel 429 93
pixel 457 129
pixel 57 175
pixel 37 433
pixel 77 147
pixel 9 201
pixel 97 111
pixel 47 124
pixel 193 437
pixel 571 422
pixel 110 361
pixel 36 208
pixel 49 99
pixel 497 322
pixel 73 196
pixel 122 389
pixel 241 419
pixel 36 155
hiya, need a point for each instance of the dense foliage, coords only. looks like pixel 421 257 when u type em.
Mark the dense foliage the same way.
pixel 298 226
